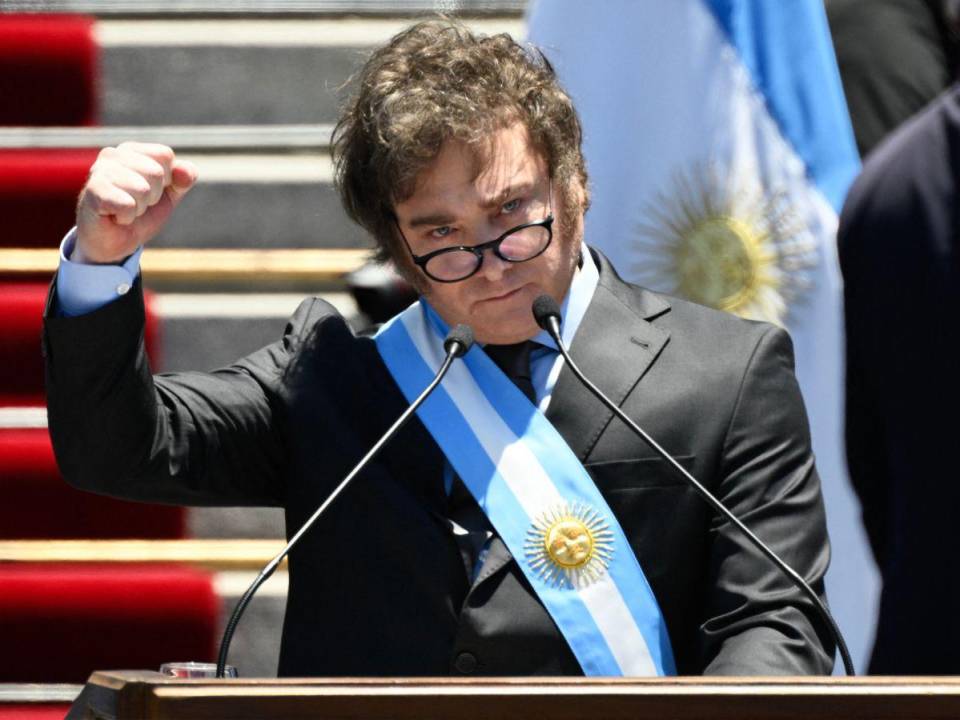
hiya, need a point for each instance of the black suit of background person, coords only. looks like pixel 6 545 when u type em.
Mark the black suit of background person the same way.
pixel 379 587
pixel 899 248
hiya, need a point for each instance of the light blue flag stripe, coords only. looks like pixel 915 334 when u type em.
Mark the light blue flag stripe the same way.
pixel 448 426
pixel 786 47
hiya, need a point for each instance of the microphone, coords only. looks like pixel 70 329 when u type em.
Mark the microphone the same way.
pixel 457 343
pixel 547 314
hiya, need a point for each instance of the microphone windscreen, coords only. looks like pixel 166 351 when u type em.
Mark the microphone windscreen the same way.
pixel 544 308
pixel 459 340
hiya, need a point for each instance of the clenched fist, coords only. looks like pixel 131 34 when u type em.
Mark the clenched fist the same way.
pixel 131 191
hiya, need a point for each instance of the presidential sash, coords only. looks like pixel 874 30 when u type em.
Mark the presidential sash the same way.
pixel 538 497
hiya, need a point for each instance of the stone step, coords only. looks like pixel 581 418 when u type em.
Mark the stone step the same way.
pixel 239 139
pixel 246 197
pixel 202 331
pixel 304 270
pixel 212 554
pixel 262 201
pixel 234 565
pixel 267 8
pixel 240 71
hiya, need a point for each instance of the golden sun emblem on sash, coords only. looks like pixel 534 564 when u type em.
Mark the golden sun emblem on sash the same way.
pixel 737 249
pixel 569 546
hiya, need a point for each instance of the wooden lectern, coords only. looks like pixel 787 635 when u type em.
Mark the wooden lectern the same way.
pixel 150 696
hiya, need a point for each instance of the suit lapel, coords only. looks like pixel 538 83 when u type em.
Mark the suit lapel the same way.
pixel 614 346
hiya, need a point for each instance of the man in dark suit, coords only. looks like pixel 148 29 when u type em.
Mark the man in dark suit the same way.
pixel 898 253
pixel 461 155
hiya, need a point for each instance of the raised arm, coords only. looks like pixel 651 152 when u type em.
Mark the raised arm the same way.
pixel 188 438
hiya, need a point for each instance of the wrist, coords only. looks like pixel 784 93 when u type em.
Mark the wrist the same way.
pixel 79 255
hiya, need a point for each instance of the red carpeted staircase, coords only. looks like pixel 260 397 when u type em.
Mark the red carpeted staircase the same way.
pixel 38 193
pixel 39 504
pixel 58 621
pixel 48 70
pixel 34 711
pixel 21 360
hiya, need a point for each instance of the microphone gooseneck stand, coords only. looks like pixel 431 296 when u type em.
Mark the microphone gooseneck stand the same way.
pixel 547 314
pixel 457 344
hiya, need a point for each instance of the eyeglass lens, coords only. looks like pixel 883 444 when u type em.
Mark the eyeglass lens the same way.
pixel 518 246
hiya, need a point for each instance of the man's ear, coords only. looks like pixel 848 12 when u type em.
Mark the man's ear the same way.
pixel 578 193
pixel 572 196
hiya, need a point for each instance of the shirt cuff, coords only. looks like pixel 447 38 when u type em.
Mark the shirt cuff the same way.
pixel 83 288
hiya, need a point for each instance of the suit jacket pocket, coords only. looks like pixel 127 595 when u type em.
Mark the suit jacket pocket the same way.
pixel 638 473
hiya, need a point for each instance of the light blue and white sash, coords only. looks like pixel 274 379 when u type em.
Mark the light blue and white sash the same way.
pixel 537 496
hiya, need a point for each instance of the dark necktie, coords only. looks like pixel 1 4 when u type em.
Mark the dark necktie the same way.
pixel 463 510
pixel 514 360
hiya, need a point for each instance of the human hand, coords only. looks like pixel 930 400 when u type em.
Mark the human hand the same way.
pixel 130 194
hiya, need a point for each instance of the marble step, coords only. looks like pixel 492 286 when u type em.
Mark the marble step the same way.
pixel 262 201
pixel 245 198
pixel 240 71
pixel 204 331
pixel 267 8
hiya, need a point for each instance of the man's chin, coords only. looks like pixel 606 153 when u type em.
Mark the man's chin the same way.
pixel 508 321
pixel 505 330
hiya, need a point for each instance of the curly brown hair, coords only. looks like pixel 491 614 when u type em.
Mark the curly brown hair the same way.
pixel 434 82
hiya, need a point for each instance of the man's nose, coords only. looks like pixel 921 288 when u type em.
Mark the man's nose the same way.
pixel 493 267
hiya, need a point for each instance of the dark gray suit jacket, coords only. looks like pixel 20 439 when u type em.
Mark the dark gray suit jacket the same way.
pixel 379 587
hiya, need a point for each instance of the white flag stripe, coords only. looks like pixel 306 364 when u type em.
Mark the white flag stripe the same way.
pixel 605 603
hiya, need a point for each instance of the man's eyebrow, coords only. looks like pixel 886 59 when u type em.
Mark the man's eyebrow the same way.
pixel 507 193
pixel 436 219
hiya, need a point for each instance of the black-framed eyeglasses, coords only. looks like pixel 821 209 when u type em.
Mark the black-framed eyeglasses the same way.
pixel 458 262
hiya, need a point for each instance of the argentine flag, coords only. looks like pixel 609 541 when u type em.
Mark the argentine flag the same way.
pixel 720 150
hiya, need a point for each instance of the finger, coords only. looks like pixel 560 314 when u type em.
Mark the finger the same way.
pixel 150 170
pixel 184 176
pixel 156 217
pixel 132 183
pixel 129 154
pixel 161 154
pixel 119 207
pixel 102 197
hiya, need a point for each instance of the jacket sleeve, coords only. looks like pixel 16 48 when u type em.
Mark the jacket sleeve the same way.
pixel 187 438
pixel 757 622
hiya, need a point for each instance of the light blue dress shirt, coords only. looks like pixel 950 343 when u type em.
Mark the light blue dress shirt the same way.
pixel 83 288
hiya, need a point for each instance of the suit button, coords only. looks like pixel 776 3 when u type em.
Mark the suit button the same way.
pixel 465 663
